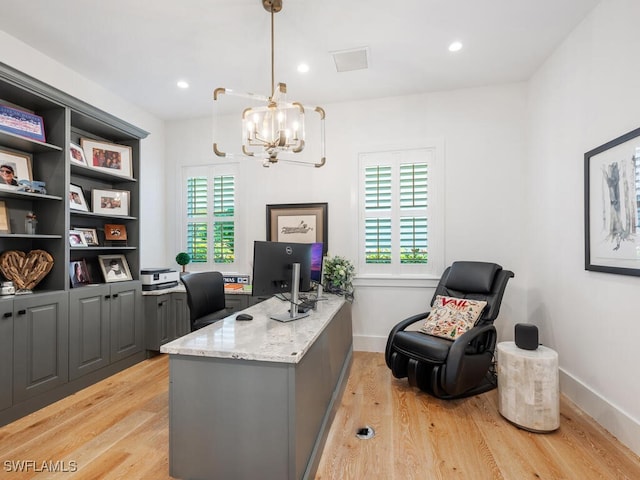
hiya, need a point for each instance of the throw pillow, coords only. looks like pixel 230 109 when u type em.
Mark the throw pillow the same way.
pixel 451 317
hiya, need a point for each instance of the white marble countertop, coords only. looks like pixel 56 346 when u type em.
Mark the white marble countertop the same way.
pixel 262 338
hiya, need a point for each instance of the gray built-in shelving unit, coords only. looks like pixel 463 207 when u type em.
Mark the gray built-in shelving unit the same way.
pixel 60 339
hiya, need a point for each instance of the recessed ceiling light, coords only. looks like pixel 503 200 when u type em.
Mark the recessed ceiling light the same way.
pixel 182 84
pixel 455 46
pixel 303 68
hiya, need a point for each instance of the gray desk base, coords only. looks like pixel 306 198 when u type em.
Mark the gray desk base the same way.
pixel 240 419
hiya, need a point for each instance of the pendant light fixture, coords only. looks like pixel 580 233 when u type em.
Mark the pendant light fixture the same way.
pixel 275 128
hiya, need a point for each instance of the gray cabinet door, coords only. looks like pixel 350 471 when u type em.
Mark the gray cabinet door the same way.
pixel 180 314
pixel 126 320
pixel 88 330
pixel 41 343
pixel 6 353
pixel 157 314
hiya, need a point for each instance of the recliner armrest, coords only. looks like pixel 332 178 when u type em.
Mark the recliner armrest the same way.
pixel 458 351
pixel 399 327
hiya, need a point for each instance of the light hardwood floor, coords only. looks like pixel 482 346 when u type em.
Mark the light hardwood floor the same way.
pixel 118 429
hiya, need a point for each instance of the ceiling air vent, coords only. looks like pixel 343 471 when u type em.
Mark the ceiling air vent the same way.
pixel 354 59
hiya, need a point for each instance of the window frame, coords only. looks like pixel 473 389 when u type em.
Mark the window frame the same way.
pixel 432 154
pixel 210 172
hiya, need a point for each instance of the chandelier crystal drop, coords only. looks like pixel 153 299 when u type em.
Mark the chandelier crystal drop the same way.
pixel 274 129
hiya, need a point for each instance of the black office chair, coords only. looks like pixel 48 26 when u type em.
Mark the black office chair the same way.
pixel 205 298
pixel 453 368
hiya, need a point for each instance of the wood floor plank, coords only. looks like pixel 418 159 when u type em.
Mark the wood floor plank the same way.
pixel 118 429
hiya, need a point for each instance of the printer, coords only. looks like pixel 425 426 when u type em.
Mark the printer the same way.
pixel 158 278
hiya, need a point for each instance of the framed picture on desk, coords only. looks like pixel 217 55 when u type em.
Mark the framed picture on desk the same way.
pixel 299 223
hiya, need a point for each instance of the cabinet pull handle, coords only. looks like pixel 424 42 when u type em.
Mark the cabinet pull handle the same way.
pixel 107 297
pixel 115 295
pixel 7 315
pixel 21 312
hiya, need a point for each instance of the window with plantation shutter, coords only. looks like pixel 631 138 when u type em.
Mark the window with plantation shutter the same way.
pixel 210 196
pixel 398 213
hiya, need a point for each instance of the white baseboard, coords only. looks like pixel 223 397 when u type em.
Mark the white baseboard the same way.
pixel 368 343
pixel 625 428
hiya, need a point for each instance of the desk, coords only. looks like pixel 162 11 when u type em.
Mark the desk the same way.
pixel 528 387
pixel 255 399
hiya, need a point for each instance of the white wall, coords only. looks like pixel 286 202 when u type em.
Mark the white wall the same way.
pixel 24 58
pixel 514 194
pixel 586 94
pixel 483 131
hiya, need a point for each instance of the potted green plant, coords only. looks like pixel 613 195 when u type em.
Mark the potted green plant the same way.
pixel 183 259
pixel 338 276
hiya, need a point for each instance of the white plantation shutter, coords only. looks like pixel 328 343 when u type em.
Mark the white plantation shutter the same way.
pixel 413 220
pixel 378 200
pixel 210 215
pixel 396 212
pixel 223 223
pixel 197 208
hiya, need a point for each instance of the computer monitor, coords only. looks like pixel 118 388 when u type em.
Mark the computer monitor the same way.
pixel 273 267
pixel 317 256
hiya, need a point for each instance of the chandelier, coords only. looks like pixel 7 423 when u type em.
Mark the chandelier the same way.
pixel 275 128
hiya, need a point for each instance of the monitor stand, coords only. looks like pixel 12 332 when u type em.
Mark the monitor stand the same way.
pixel 293 313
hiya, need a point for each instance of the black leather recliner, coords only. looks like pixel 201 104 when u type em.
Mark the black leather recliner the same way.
pixel 205 298
pixel 453 368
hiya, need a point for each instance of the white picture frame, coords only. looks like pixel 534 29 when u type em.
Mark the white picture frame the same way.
pixel 77 239
pixel 90 235
pixel 77 201
pixel 76 154
pixel 114 268
pixel 107 157
pixel 110 202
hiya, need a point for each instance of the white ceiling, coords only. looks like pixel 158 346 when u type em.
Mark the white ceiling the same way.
pixel 138 49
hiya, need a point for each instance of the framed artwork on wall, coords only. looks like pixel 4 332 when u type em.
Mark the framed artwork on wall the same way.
pixel 611 209
pixel 299 223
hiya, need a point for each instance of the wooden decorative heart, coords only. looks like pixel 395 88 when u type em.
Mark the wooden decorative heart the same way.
pixel 25 270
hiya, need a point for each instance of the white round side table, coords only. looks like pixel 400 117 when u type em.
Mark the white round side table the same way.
pixel 529 387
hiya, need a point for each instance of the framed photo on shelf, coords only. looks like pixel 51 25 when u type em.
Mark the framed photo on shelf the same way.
pixel 77 154
pixel 110 202
pixel 611 190
pixel 14 167
pixel 79 273
pixel 114 231
pixel 5 226
pixel 19 122
pixel 76 198
pixel 76 239
pixel 108 157
pixel 90 235
pixel 114 268
pixel 299 223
